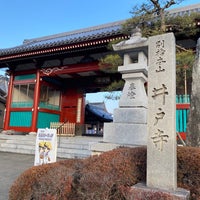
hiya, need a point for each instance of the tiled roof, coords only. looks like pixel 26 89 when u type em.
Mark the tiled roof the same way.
pixel 99 112
pixel 82 35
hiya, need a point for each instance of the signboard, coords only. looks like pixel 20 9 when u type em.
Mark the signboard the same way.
pixel 46 146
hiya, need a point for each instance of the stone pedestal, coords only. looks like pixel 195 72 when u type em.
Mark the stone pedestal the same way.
pixel 129 127
pixel 141 191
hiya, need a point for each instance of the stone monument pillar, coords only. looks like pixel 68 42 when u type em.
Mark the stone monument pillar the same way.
pixel 129 125
pixel 161 145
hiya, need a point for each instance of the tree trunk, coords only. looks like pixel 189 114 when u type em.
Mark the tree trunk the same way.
pixel 162 19
pixel 193 126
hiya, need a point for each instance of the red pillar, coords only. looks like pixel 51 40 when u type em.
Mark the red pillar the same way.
pixel 8 102
pixel 36 102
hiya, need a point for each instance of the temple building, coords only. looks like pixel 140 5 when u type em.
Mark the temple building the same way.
pixel 50 76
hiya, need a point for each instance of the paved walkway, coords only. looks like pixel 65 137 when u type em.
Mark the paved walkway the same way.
pixel 11 166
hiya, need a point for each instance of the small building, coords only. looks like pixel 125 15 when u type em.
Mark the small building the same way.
pixel 95 115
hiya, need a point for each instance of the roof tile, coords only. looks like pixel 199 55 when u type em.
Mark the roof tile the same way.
pixel 66 38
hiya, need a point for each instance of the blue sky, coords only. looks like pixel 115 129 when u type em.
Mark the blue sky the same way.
pixel 26 19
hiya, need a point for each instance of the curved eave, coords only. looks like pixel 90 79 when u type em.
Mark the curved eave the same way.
pixel 75 40
pixel 55 49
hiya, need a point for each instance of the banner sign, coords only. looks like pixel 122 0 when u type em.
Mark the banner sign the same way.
pixel 46 146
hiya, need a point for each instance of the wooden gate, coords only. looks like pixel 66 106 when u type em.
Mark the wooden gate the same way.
pixel 64 129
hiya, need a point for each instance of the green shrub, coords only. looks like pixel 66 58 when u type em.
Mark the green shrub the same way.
pixel 108 176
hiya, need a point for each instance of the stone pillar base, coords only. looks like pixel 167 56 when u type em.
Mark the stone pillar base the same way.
pixel 101 147
pixel 125 133
pixel 141 191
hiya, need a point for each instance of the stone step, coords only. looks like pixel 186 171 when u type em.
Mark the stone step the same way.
pixel 73 146
pixel 17 146
pixel 74 151
pixel 72 155
pixel 61 152
pixel 17 137
pixel 30 144
pixel 2 141
pixel 68 147
pixel 24 142
pixel 21 151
